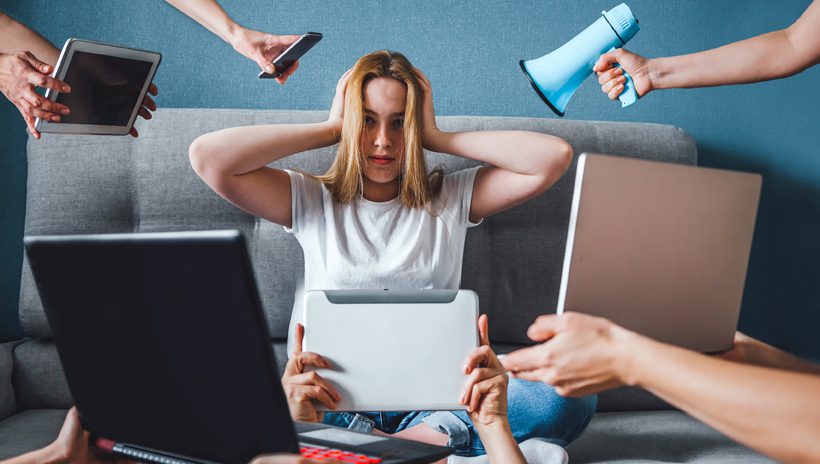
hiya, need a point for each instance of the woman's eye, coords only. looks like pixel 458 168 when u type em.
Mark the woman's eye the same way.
pixel 398 123
pixel 368 120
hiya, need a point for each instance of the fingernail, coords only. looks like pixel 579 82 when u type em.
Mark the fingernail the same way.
pixel 64 110
pixel 269 69
pixel 622 79
pixel 55 118
pixel 66 88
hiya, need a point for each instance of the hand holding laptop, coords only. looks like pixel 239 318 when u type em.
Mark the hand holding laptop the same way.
pixel 586 354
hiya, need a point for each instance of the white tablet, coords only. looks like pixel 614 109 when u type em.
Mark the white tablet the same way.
pixel 393 350
pixel 108 84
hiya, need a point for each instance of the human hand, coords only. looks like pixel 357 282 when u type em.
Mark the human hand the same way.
pixel 429 130
pixel 581 354
pixel 20 73
pixel 148 105
pixel 611 78
pixel 337 108
pixel 71 445
pixel 485 391
pixel 262 48
pixel 289 459
pixel 302 388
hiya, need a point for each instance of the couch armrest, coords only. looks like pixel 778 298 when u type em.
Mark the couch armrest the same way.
pixel 8 400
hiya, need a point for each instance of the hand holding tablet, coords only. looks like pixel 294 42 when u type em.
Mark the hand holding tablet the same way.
pixel 109 87
pixel 20 73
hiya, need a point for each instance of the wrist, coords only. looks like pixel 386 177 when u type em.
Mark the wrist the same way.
pixel 52 454
pixel 627 346
pixel 332 130
pixel 434 140
pixel 656 72
pixel 236 36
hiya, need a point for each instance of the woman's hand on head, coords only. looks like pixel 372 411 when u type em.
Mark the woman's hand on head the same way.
pixel 485 392
pixel 336 116
pixel 302 387
pixel 429 129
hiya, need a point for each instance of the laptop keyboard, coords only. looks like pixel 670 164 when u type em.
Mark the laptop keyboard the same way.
pixel 320 453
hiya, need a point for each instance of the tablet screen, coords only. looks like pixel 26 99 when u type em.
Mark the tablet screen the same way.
pixel 104 89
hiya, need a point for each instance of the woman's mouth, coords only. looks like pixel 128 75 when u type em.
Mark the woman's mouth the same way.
pixel 382 160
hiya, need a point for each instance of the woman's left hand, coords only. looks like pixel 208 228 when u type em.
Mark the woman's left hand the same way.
pixel 485 392
pixel 429 130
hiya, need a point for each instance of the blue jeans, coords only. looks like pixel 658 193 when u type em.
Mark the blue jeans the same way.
pixel 535 410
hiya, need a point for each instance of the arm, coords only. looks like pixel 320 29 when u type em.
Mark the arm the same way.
pixel 257 46
pixel 485 394
pixel 15 37
pixel 770 410
pixel 233 161
pixel 71 446
pixel 26 59
pixel 522 164
pixel 751 351
pixel 773 55
pixel 730 397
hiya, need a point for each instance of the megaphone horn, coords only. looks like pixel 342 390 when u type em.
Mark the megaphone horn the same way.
pixel 556 76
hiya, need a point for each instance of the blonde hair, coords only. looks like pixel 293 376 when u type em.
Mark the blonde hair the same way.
pixel 345 178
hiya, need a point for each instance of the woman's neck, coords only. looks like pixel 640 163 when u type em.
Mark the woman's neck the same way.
pixel 377 192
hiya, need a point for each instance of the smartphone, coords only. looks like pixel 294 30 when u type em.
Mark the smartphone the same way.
pixel 292 54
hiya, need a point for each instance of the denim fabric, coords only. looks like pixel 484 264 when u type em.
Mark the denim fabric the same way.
pixel 535 410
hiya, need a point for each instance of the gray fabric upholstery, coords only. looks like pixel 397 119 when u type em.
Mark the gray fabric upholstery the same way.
pixel 656 436
pixel 39 381
pixel 513 261
pixel 29 430
pixel 100 184
pixel 8 401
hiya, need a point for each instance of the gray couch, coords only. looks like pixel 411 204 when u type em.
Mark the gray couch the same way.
pixel 108 185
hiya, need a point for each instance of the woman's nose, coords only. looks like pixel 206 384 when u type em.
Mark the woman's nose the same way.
pixel 382 139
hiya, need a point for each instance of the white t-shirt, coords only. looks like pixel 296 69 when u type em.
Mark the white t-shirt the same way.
pixel 380 245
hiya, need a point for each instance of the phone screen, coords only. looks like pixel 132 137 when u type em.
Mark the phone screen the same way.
pixel 292 54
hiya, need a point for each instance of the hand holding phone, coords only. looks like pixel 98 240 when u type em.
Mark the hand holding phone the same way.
pixel 292 55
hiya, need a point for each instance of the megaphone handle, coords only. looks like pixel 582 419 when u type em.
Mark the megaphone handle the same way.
pixel 629 95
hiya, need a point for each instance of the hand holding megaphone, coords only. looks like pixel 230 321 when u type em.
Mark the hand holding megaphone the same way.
pixel 610 68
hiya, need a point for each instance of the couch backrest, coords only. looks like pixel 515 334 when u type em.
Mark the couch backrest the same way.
pixel 100 184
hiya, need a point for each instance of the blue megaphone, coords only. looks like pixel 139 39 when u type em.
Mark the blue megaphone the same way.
pixel 557 75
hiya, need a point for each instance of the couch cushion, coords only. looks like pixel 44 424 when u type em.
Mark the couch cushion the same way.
pixel 39 381
pixel 95 184
pixel 8 401
pixel 656 436
pixel 29 430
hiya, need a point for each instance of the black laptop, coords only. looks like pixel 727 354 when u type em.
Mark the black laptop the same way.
pixel 167 355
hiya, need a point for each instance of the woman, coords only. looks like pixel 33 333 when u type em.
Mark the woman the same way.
pixel 378 220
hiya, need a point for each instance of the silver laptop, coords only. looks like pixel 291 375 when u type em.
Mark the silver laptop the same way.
pixel 659 248
pixel 393 350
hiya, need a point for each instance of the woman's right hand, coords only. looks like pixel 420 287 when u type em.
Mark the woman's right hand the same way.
pixel 611 77
pixel 336 115
pixel 302 388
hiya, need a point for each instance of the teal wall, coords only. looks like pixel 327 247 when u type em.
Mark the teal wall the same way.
pixel 470 51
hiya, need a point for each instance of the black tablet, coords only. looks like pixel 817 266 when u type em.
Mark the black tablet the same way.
pixel 108 84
